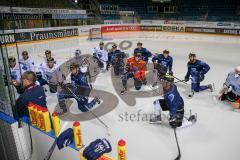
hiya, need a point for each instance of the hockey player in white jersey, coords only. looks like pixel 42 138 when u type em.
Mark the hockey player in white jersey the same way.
pixel 26 62
pixel 45 74
pixel 101 55
pixel 15 71
pixel 231 88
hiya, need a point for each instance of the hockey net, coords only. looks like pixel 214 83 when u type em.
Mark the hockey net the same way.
pixel 95 33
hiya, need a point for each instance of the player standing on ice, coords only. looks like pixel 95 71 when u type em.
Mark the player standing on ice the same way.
pixel 101 55
pixel 197 70
pixel 135 68
pixel 172 102
pixel 231 88
pixel 162 63
pixel 116 58
pixel 79 89
pixel 26 62
pixel 146 54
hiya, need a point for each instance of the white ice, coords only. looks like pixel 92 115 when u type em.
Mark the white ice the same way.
pixel 215 136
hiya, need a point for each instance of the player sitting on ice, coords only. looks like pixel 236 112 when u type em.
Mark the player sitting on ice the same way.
pixel 135 68
pixel 172 102
pixel 146 54
pixel 161 62
pixel 26 62
pixel 231 88
pixel 79 88
pixel 46 73
pixel 101 55
pixel 116 58
pixel 197 70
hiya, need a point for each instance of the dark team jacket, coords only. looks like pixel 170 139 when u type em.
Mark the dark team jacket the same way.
pixel 166 62
pixel 32 93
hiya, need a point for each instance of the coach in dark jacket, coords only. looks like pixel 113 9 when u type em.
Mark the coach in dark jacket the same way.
pixel 29 92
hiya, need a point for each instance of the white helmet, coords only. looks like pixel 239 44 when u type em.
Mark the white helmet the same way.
pixel 84 68
pixel 237 69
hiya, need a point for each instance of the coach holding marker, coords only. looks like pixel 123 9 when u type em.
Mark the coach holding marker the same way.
pixel 29 92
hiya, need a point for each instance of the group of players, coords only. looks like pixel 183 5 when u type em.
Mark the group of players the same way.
pixel 126 68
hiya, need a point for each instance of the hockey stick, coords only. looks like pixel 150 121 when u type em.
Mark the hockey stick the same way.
pixel 183 81
pixel 179 152
pixel 50 152
pixel 77 98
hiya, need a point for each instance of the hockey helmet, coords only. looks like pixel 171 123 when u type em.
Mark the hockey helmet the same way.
pixel 47 52
pixel 138 54
pixel 50 59
pixel 25 53
pixel 11 60
pixel 78 52
pixel 237 70
pixel 114 46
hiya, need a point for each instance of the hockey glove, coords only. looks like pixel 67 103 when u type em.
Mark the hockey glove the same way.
pixel 65 137
pixel 96 149
pixel 186 79
pixel 173 123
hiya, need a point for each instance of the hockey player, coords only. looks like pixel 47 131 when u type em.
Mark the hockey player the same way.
pixel 231 88
pixel 46 73
pixel 79 87
pixel 135 68
pixel 116 58
pixel 172 102
pixel 26 62
pixel 101 55
pixel 162 63
pixel 197 70
pixel 146 54
pixel 15 71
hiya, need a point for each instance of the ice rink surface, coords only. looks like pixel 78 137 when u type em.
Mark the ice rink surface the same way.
pixel 215 136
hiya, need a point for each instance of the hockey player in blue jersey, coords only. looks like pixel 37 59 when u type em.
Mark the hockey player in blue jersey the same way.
pixel 116 59
pixel 79 87
pixel 197 70
pixel 162 63
pixel 146 54
pixel 231 87
pixel 172 102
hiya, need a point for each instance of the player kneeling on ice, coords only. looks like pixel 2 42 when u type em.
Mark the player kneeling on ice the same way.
pixel 78 89
pixel 173 103
pixel 135 68
pixel 231 88
pixel 162 63
pixel 101 56
pixel 197 70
